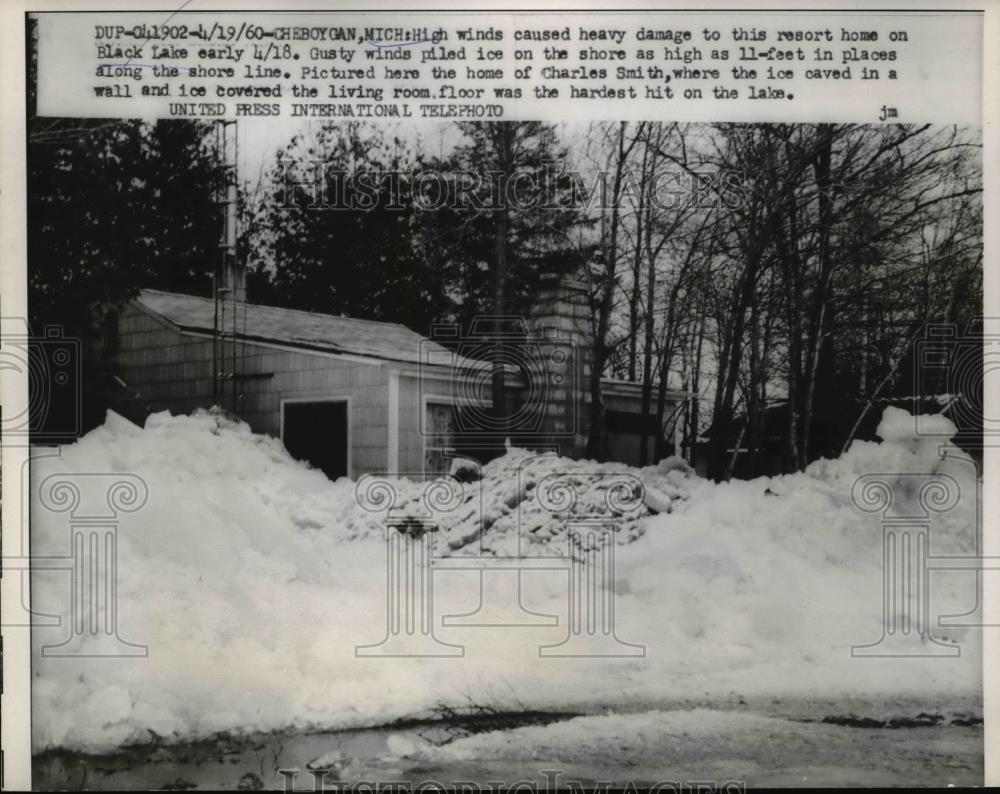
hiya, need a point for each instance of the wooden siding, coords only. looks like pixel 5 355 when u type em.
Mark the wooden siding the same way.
pixel 172 371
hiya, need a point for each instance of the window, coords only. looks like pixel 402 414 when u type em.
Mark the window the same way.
pixel 439 440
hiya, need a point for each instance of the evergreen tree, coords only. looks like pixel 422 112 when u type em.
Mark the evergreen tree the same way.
pixel 336 231
pixel 510 217
pixel 114 207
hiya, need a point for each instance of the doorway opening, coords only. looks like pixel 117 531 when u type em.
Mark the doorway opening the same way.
pixel 317 432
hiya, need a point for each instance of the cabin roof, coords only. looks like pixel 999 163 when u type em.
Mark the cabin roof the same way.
pixel 325 333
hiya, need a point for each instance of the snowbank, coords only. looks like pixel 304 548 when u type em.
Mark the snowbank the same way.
pixel 252 578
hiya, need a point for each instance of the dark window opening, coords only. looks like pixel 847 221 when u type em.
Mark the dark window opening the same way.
pixel 631 423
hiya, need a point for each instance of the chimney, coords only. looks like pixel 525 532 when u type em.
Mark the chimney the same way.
pixel 561 328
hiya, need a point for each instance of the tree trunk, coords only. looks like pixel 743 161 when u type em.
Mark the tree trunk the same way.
pixel 504 151
pixel 597 439
pixel 647 357
pixel 742 298
pixel 694 412
pixel 821 167
pixel 633 309
pixel 754 410
pixel 791 270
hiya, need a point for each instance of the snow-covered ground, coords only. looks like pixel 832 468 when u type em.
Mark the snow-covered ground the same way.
pixel 252 578
pixel 647 748
pixel 665 750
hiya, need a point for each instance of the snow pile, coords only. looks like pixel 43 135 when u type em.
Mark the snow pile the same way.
pixel 252 579
pixel 784 575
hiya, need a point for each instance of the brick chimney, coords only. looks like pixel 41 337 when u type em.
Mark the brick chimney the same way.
pixel 561 328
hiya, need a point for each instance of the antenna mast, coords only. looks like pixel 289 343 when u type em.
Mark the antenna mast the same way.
pixel 229 287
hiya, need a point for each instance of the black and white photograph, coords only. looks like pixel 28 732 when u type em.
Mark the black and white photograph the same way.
pixel 460 450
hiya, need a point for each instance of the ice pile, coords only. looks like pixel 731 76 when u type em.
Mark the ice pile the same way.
pixel 520 503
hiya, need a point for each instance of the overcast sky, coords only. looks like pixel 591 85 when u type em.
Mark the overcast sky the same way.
pixel 261 138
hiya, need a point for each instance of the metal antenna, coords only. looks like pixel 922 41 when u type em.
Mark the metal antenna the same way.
pixel 229 288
